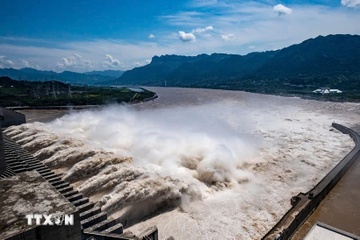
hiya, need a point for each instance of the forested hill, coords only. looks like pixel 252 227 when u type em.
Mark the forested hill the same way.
pixel 87 78
pixel 56 93
pixel 332 61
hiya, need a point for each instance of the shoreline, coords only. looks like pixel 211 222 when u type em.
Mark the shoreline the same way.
pixel 305 97
pixel 75 107
pixel 81 107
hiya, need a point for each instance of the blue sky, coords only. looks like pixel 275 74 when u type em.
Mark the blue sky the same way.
pixel 122 34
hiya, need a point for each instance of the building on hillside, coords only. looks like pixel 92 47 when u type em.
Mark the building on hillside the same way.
pixel 326 90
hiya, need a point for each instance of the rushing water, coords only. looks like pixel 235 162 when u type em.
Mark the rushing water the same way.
pixel 199 164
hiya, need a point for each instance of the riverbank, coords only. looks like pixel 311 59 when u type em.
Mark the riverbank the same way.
pixel 50 113
pixel 60 95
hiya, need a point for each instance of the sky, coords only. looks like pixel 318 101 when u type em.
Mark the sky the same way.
pixel 122 34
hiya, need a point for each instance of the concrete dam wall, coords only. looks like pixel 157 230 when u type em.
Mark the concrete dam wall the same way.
pixel 305 203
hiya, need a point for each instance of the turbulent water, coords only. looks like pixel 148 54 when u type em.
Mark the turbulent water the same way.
pixel 199 164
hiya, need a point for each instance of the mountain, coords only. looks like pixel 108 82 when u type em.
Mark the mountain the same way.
pixel 334 54
pixel 333 61
pixel 109 73
pixel 89 78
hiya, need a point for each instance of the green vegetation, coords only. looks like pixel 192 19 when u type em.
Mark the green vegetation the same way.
pixel 53 93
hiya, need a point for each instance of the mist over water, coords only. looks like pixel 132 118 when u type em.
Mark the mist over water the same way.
pixel 181 140
pixel 199 164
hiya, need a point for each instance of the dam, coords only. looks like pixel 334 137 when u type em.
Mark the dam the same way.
pixel 22 174
pixel 281 159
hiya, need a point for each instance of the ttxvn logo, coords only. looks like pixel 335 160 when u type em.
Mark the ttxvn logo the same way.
pixel 50 219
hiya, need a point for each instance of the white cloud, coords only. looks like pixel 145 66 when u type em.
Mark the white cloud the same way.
pixel 16 64
pixel 351 3
pixel 202 30
pixel 75 62
pixel 141 63
pixel 151 36
pixel 186 37
pixel 130 54
pixel 111 62
pixel 203 3
pixel 228 37
pixel 282 10
pixel 5 63
pixel 184 19
pixel 254 23
pixel 25 63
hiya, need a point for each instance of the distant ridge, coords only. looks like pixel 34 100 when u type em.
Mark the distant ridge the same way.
pixel 108 73
pixel 88 78
pixel 325 61
pixel 333 60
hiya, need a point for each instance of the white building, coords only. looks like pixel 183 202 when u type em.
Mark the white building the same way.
pixel 327 90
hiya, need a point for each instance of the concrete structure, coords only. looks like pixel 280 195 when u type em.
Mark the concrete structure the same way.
pixel 136 89
pixel 305 203
pixel 323 231
pixel 340 208
pixel 22 188
pixel 10 117
pixel 29 193
pixel 2 156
